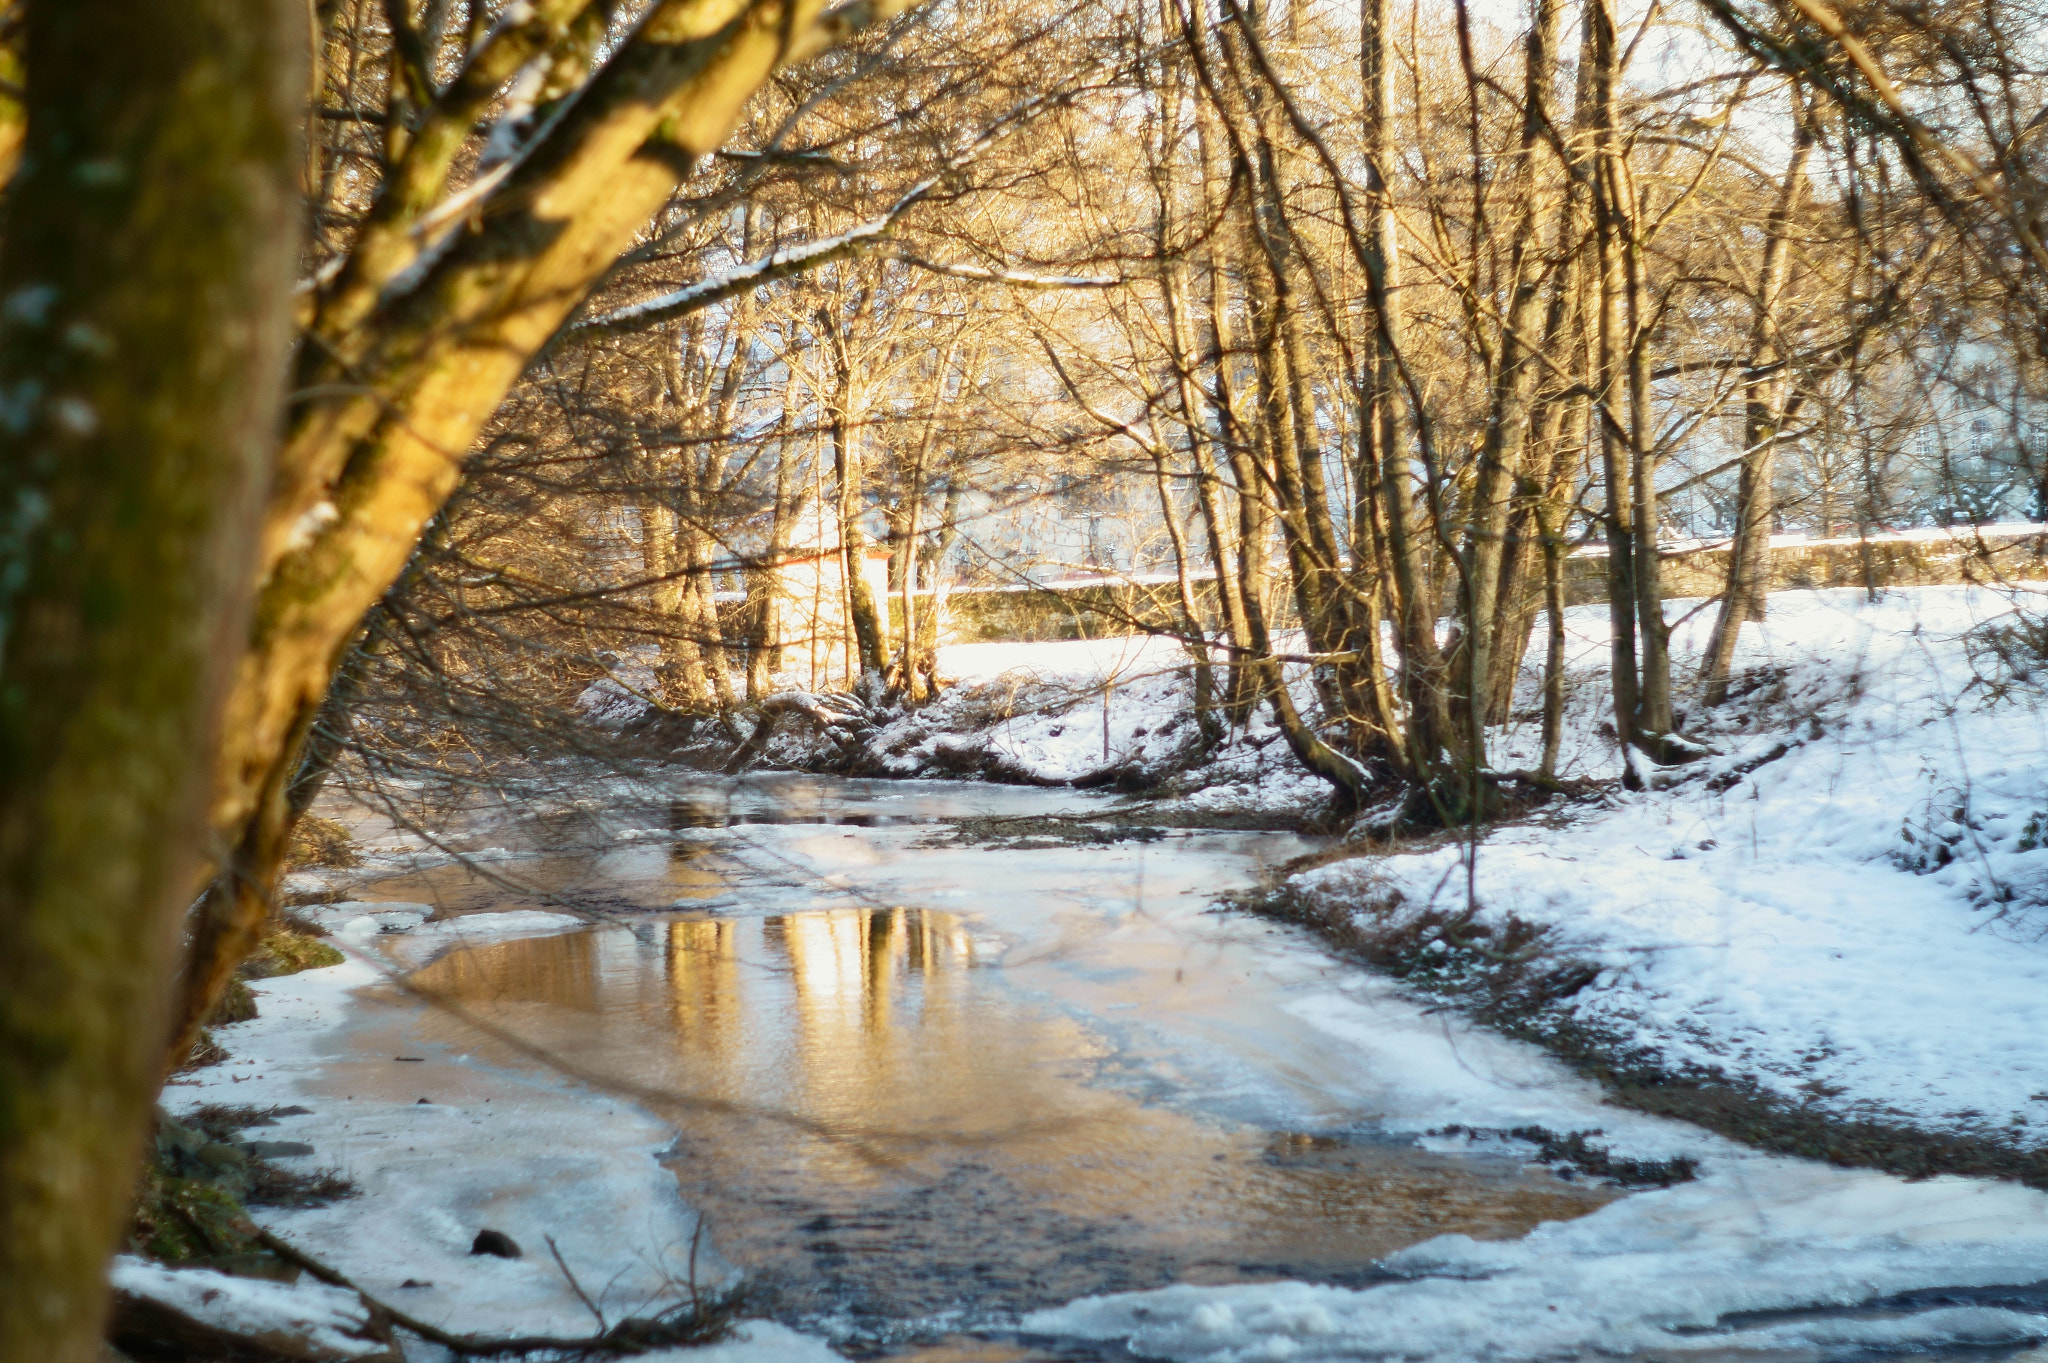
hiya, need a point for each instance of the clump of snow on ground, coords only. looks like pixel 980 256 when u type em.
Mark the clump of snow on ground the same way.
pixel 621 695
pixel 360 922
pixel 332 1321
pixel 1088 712
pixel 1846 904
pixel 1653 1275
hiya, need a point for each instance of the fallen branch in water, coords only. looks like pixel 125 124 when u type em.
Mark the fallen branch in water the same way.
pixel 841 723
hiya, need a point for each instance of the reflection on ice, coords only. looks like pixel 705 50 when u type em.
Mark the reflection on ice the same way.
pixel 953 1144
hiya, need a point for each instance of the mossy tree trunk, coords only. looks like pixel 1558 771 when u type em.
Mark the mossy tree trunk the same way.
pixel 144 322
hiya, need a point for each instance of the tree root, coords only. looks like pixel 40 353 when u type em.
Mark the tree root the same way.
pixel 840 717
pixel 1555 785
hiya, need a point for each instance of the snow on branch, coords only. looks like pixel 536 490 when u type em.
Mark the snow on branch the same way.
pixel 1022 279
pixel 777 264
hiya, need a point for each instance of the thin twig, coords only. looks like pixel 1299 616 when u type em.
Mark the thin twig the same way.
pixel 575 1286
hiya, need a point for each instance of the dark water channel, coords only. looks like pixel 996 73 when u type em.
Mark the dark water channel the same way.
pixel 899 1117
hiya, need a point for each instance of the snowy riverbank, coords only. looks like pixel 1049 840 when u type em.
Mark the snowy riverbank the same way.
pixel 1842 909
pixel 1845 908
pixel 441 1145
pixel 1201 1012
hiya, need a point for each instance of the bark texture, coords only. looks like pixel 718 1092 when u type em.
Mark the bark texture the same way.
pixel 144 319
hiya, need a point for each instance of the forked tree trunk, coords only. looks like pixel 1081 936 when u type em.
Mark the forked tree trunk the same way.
pixel 147 271
pixel 407 370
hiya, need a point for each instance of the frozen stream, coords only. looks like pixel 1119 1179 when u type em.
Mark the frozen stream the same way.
pixel 921 1085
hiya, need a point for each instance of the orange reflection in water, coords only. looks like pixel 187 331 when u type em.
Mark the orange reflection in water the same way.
pixel 561 971
pixel 955 1141
pixel 848 972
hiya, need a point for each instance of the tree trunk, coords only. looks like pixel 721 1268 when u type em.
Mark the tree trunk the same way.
pixel 940 548
pixel 850 482
pixel 680 676
pixel 764 587
pixel 1654 704
pixel 1224 527
pixel 1414 596
pixel 1194 637
pixel 700 612
pixel 1506 564
pixel 147 267
pixel 1749 554
pixel 1492 563
pixel 1611 345
pixel 1553 653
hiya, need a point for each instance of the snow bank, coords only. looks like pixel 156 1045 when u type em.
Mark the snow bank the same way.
pixel 443 1144
pixel 1845 906
pixel 361 922
pixel 332 1322
pixel 1655 1274
pixel 1092 712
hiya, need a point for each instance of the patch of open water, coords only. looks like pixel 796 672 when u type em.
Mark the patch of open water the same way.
pixel 880 1129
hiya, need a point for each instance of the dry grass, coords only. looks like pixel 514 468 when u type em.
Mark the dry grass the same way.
pixel 321 842
pixel 284 951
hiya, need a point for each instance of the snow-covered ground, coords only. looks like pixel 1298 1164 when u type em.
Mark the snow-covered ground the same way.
pixel 1652 1276
pixel 1264 1024
pixel 1088 711
pixel 1855 923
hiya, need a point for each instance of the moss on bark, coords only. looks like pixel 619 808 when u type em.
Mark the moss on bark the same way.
pixel 144 286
